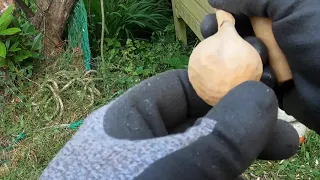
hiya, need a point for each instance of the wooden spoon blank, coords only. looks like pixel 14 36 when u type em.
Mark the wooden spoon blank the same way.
pixel 263 29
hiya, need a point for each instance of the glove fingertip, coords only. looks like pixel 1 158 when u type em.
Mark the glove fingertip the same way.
pixel 283 143
pixel 243 25
pixel 268 77
pixel 245 117
pixel 209 26
pixel 260 47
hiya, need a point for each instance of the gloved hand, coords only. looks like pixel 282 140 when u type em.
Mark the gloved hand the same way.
pixel 296 28
pixel 160 129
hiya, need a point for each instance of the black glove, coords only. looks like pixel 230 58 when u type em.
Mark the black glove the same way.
pixel 160 129
pixel 296 28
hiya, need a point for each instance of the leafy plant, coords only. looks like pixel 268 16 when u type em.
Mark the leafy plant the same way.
pixel 19 41
pixel 20 44
pixel 130 18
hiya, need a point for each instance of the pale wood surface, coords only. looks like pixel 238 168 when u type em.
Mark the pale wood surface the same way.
pixel 192 13
pixel 263 30
pixel 179 24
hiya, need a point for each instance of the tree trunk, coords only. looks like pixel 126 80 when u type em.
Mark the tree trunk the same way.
pixel 51 19
pixel 4 5
pixel 24 8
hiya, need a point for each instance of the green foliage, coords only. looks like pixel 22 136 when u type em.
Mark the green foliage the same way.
pixel 127 65
pixel 19 41
pixel 129 18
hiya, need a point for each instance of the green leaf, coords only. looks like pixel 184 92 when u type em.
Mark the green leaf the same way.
pixel 11 65
pixel 14 47
pixel 10 31
pixel 37 42
pixel 22 55
pixel 25 27
pixel 7 43
pixel 307 155
pixel 27 53
pixel 109 42
pixel 6 14
pixel 3 50
pixel 6 23
pixel 29 29
pixel 17 58
pixel 35 55
pixel 6 91
pixel 2 62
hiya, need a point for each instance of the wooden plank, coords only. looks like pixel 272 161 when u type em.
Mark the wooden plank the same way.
pixel 179 24
pixel 206 6
pixel 194 9
pixel 192 13
pixel 189 18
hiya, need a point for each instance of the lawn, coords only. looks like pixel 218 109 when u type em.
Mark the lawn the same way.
pixel 38 118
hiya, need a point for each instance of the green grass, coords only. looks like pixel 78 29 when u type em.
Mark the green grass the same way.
pixel 304 165
pixel 46 132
